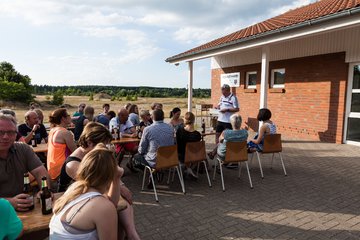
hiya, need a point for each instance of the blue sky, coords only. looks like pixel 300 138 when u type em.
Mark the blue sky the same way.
pixel 120 42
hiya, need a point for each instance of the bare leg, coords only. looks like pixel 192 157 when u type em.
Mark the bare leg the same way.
pixel 127 224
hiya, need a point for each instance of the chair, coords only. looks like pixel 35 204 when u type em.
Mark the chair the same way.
pixel 167 158
pixel 235 152
pixel 272 144
pixel 195 152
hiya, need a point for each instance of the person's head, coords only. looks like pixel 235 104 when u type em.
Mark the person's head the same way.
pixel 111 114
pixel 225 90
pixel 8 111
pixel 81 107
pixel 40 115
pixel 189 118
pixel 156 106
pixel 127 106
pixel 31 118
pixel 123 115
pixel 106 107
pixel 59 116
pixel 8 131
pixel 133 109
pixel 96 170
pixel 175 113
pixel 33 105
pixel 158 115
pixel 145 115
pixel 89 113
pixel 236 121
pixel 264 114
pixel 93 134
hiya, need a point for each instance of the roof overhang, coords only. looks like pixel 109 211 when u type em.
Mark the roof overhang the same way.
pixel 345 19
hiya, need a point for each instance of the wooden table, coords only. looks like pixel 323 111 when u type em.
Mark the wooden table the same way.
pixel 41 148
pixel 125 140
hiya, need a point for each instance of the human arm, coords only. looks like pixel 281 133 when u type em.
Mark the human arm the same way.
pixel 9 221
pixel 260 135
pixel 144 142
pixel 126 193
pixel 40 172
pixel 106 226
pixel 114 190
pixel 29 136
pixel 71 168
pixel 132 133
pixel 69 140
pixel 222 136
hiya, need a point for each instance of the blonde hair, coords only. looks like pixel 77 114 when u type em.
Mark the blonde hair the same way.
pixel 96 170
pixel 96 133
pixel 189 118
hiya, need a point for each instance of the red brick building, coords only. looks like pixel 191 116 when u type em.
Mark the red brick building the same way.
pixel 304 65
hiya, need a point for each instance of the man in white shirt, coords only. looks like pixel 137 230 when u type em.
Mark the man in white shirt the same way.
pixel 227 106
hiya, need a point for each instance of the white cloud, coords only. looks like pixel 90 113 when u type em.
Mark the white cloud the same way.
pixel 290 6
pixel 101 19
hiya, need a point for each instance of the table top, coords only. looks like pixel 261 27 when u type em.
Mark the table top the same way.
pixel 42 147
pixel 34 220
pixel 125 140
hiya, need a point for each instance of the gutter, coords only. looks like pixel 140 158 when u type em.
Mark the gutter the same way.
pixel 311 22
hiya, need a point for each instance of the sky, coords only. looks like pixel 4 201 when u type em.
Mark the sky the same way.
pixel 121 42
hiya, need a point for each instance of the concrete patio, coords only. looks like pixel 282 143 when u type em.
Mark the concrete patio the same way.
pixel 319 199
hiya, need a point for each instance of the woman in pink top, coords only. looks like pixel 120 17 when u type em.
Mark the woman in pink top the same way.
pixel 60 142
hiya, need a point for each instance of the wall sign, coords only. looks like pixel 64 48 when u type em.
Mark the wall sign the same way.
pixel 232 79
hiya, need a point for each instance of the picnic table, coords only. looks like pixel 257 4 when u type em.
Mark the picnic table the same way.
pixel 125 140
pixel 41 148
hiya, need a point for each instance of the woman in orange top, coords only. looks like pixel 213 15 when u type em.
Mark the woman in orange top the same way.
pixel 60 141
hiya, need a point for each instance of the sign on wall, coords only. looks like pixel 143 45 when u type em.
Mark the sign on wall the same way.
pixel 232 79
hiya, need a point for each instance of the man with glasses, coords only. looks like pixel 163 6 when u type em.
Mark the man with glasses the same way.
pixel 16 158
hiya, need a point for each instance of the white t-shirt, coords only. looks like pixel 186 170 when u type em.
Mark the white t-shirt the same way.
pixel 230 101
pixel 124 128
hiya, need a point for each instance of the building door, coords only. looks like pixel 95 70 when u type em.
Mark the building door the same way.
pixel 352 120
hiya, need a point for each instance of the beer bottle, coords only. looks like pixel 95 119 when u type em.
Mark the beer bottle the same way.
pixel 45 198
pixel 203 125
pixel 28 190
pixel 139 132
pixel 33 140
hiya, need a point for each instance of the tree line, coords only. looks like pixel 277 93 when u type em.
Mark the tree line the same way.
pixel 17 87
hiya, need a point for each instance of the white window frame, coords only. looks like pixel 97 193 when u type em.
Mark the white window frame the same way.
pixel 273 76
pixel 247 80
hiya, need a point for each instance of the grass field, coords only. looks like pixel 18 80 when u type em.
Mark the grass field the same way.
pixel 74 101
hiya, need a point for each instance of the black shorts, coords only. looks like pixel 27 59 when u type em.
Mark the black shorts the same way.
pixel 221 126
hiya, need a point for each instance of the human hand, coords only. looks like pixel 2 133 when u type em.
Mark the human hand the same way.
pixel 22 202
pixel 118 174
pixel 35 127
pixel 224 110
pixel 126 194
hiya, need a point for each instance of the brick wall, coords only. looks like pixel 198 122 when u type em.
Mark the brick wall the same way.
pixel 313 104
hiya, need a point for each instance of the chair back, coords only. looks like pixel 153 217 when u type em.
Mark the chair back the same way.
pixel 236 152
pixel 195 152
pixel 167 157
pixel 272 143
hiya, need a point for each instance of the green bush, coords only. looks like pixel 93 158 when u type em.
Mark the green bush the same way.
pixel 58 98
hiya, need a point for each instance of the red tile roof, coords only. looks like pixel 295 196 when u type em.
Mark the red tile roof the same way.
pixel 296 16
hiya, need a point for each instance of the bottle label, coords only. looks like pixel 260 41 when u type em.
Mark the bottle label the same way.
pixel 48 204
pixel 31 198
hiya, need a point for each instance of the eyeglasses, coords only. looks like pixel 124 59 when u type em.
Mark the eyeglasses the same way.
pixel 9 133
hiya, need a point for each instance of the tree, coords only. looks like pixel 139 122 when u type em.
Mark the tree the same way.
pixel 58 98
pixel 13 85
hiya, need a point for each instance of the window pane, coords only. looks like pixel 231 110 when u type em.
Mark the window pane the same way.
pixel 279 77
pixel 252 79
pixel 356 80
pixel 355 102
pixel 353 132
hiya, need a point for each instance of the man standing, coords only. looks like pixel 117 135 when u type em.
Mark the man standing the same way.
pixel 80 110
pixel 154 136
pixel 32 126
pixel 228 105
pixel 16 158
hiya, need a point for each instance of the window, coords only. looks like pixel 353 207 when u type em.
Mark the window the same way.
pixel 278 78
pixel 251 78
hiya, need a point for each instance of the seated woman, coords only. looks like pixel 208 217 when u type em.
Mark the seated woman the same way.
pixel 93 134
pixel 79 213
pixel 268 127
pixel 84 119
pixel 183 136
pixel 145 119
pixel 235 135
pixel 176 121
pixel 134 115
pixel 60 142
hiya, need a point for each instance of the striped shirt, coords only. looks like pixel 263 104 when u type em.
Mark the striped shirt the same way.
pixel 157 135
pixel 230 101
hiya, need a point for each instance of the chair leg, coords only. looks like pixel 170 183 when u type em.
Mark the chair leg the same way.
pixel 247 167
pixel 251 160
pixel 181 179
pixel 261 171
pixel 153 183
pixel 222 176
pixel 197 169
pixel 173 176
pixel 207 173
pixel 282 163
pixel 239 163
pixel 169 176
pixel 214 169
pixel 272 159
